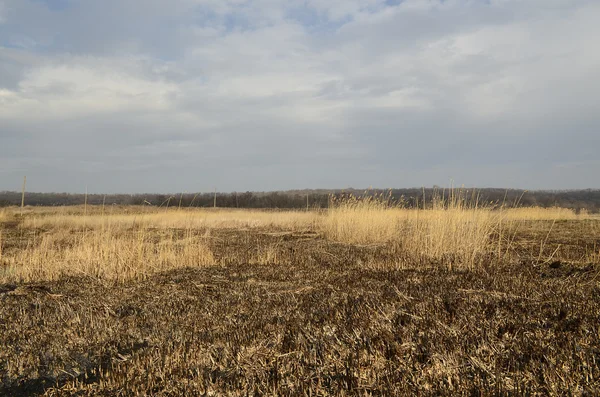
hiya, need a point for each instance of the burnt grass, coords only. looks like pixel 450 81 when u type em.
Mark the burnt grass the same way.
pixel 320 321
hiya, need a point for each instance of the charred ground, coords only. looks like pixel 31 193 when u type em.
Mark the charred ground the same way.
pixel 317 320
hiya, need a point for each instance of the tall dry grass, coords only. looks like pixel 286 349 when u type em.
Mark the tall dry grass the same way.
pixel 119 246
pixel 457 230
pixel 132 243
pixel 543 214
pixel 454 231
pixel 177 219
pixel 110 255
pixel 3 215
pixel 1 245
pixel 3 218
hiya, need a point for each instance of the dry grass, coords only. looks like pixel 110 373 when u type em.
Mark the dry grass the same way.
pixel 119 246
pixel 543 214
pixel 134 242
pixel 175 219
pixel 454 232
pixel 355 221
pixel 197 302
pixel 1 245
pixel 322 325
pixel 109 255
pixel 457 231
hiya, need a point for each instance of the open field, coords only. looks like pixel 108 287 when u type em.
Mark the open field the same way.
pixel 359 300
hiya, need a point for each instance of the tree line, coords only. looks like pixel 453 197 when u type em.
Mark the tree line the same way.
pixel 295 199
pixel 415 197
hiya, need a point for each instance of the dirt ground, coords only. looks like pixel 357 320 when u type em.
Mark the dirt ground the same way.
pixel 318 318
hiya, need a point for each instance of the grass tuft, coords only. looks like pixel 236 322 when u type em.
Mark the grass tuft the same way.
pixel 110 255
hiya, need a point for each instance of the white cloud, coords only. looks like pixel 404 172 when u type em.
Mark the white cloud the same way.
pixel 78 88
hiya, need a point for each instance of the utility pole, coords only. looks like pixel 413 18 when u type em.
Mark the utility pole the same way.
pixel 23 194
pixel 85 202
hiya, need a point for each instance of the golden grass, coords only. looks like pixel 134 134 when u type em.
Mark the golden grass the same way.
pixel 453 231
pixel 177 219
pixel 1 245
pixel 457 231
pixel 356 221
pixel 118 245
pixel 104 254
pixel 3 218
pixel 542 214
pixel 133 242
pixel 3 215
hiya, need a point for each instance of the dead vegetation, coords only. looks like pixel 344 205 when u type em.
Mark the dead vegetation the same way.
pixel 361 300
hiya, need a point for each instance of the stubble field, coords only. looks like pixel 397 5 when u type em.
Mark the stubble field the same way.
pixel 358 300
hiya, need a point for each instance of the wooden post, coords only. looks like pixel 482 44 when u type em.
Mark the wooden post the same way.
pixel 307 201
pixel 215 201
pixel 23 194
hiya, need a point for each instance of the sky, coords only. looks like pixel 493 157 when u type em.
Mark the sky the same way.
pixel 190 95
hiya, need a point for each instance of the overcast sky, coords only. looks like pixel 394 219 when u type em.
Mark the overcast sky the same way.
pixel 188 95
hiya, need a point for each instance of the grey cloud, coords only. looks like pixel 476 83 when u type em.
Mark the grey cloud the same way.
pixel 140 96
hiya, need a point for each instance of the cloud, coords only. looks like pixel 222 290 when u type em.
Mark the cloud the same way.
pixel 140 96
pixel 81 87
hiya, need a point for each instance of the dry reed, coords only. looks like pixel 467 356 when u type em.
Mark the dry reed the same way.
pixel 454 231
pixel 131 243
pixel 543 214
pixel 178 219
pixel 3 215
pixel 108 254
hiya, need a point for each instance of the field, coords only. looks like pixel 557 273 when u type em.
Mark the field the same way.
pixel 362 299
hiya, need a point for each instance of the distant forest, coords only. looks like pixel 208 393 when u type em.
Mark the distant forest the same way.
pixel 575 199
